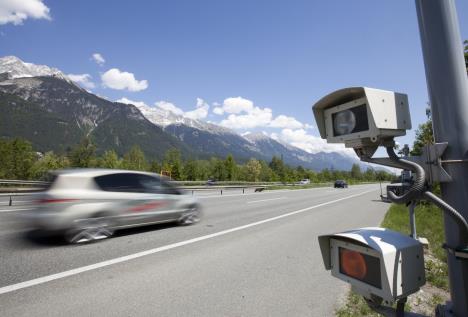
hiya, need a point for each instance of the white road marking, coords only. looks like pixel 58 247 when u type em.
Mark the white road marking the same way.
pixel 18 209
pixel 52 277
pixel 259 201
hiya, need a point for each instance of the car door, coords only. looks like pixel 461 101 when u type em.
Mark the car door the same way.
pixel 163 201
pixel 130 202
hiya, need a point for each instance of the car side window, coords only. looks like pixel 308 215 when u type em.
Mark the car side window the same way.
pixel 120 182
pixel 151 184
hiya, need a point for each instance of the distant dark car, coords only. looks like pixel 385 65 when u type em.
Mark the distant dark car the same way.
pixel 211 182
pixel 340 184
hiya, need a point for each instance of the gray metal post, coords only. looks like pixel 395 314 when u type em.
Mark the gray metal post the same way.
pixel 448 91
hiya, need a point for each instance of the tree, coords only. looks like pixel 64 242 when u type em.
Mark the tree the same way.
pixel 217 169
pixel 266 174
pixel 253 168
pixel 110 160
pixel 424 135
pixel 190 170
pixel 50 161
pixel 83 155
pixel 230 167
pixel 16 158
pixel 155 167
pixel 173 164
pixel 325 175
pixel 369 175
pixel 135 159
pixel 278 167
pixel 356 172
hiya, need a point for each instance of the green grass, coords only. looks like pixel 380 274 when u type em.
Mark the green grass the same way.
pixel 356 306
pixel 430 225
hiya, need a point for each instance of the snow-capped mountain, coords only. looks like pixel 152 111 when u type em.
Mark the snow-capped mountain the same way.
pixel 16 68
pixel 41 104
pixel 165 118
pixel 55 114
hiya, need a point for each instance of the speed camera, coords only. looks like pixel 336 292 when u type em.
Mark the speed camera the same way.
pixel 361 116
pixel 377 262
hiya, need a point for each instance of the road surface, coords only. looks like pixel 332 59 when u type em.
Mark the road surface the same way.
pixel 253 254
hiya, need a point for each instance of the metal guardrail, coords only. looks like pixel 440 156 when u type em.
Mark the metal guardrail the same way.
pixel 23 182
pixel 220 186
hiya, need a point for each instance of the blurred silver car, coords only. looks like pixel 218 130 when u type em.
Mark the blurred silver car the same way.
pixel 90 204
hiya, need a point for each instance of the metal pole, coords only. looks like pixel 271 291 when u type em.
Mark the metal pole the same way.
pixel 448 91
pixel 412 219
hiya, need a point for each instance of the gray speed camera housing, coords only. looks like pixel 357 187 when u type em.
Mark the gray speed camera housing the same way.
pixel 394 262
pixel 368 116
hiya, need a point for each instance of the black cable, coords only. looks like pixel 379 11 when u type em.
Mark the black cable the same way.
pixel 418 186
pixel 459 219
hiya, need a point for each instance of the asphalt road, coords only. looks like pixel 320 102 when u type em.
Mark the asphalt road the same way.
pixel 252 255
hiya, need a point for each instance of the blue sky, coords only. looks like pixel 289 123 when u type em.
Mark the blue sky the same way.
pixel 278 56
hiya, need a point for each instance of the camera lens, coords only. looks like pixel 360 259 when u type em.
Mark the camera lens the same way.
pixel 344 122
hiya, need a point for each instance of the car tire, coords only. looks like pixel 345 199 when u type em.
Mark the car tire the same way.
pixel 98 227
pixel 190 217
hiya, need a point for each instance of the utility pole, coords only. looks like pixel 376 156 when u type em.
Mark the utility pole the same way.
pixel 448 91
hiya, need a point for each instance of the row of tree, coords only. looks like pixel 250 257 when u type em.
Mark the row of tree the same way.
pixel 18 160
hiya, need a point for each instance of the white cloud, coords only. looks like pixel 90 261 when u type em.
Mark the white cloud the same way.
pixel 218 110
pixel 132 102
pixel 16 11
pixel 256 117
pixel 164 105
pixel 83 80
pixel 201 112
pixel 237 105
pixel 242 114
pixel 116 79
pixel 283 121
pixel 309 143
pixel 98 59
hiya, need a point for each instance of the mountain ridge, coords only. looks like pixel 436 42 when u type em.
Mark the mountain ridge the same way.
pixel 72 113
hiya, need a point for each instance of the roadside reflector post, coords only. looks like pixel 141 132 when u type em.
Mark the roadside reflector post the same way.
pixel 10 203
pixel 221 191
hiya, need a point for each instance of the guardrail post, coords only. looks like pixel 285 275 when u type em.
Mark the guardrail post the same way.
pixel 9 204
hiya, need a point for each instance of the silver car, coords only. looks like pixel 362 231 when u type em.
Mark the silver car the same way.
pixel 90 204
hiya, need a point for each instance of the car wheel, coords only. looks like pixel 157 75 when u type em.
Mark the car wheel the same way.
pixel 190 217
pixel 89 230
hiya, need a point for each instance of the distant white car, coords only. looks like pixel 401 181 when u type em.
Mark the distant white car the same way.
pixel 90 204
pixel 304 181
